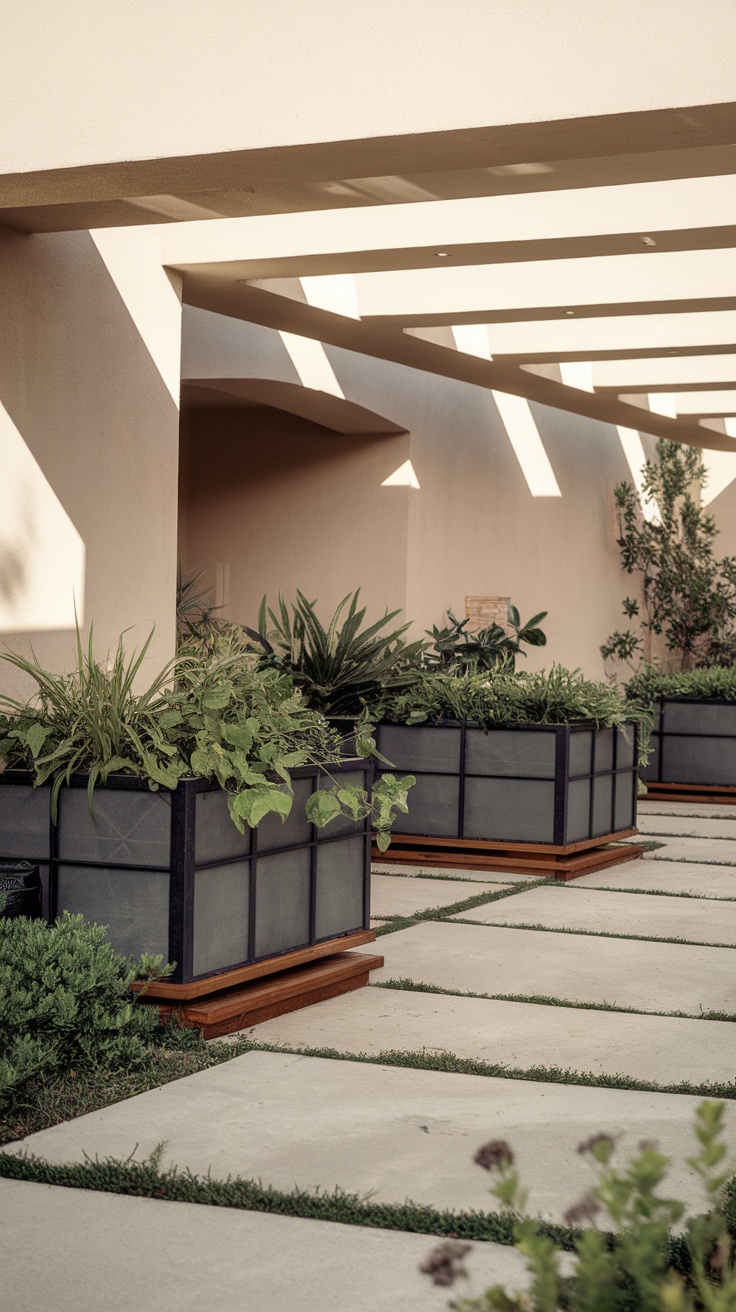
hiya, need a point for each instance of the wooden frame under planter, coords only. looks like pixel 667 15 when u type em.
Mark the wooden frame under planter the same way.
pixel 169 873
pixel 541 798
pixel 693 756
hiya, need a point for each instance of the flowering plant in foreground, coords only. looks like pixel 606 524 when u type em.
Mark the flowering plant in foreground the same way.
pixel 638 1265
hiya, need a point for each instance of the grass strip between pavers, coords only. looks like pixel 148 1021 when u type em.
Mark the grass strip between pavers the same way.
pixel 542 999
pixel 584 933
pixel 395 923
pixel 146 1180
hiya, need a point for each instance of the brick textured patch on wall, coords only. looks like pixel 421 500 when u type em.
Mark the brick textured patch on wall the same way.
pixel 485 611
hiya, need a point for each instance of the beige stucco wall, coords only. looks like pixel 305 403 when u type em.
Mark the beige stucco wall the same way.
pixel 238 74
pixel 87 398
pixel 287 505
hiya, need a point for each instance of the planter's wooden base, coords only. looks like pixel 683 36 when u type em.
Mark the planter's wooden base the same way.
pixel 543 859
pixel 227 979
pixel 716 794
pixel 246 1005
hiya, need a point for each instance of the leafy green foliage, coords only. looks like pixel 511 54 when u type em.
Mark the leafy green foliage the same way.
pixel 221 718
pixel 341 668
pixel 90 720
pixel 65 1001
pixel 454 646
pixel 501 696
pixel 688 595
pixel 715 683
pixel 631 1269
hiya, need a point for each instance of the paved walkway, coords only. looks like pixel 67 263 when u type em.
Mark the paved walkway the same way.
pixel 610 976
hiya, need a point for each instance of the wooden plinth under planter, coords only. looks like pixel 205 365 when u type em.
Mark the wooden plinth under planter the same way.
pixel 246 1005
pixel 550 860
pixel 715 794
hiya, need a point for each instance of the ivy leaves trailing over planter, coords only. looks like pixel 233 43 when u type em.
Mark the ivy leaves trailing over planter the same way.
pixel 224 719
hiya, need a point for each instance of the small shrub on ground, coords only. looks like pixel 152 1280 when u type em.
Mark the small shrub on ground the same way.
pixel 65 1002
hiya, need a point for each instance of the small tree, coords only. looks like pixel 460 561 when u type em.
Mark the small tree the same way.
pixel 687 595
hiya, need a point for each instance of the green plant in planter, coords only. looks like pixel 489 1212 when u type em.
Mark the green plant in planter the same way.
pixel 341 668
pixel 454 646
pixel 222 719
pixel 502 696
pixel 688 595
pixel 714 683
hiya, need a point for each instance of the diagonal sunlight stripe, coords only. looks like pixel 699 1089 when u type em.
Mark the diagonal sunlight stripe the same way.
pixel 524 437
pixel 633 449
pixel 309 358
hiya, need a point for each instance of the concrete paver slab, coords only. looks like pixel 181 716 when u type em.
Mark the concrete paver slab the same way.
pixel 653 1048
pixel 704 850
pixel 106 1253
pixel 393 896
pixel 687 825
pixel 712 810
pixel 394 1132
pixel 625 972
pixel 449 872
pixel 601 911
pixel 666 877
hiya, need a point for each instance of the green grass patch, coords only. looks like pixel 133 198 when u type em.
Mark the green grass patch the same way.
pixel 147 1180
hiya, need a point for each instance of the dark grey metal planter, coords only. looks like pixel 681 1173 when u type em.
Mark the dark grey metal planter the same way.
pixel 169 873
pixel 537 784
pixel 693 742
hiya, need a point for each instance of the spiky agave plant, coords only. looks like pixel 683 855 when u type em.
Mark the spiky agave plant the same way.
pixel 341 668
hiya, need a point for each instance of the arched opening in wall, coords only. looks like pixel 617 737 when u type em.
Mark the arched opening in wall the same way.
pixel 284 488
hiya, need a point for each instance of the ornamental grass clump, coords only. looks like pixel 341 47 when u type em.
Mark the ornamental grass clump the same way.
pixel 65 1002
pixel 503 697
pixel 717 683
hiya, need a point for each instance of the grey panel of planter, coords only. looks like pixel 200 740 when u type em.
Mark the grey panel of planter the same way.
pixel 275 833
pixel 581 745
pixel 650 771
pixel 216 837
pixel 131 826
pixel 602 805
pixel 711 719
pixel 625 749
pixel 578 810
pixel 340 875
pixel 509 752
pixel 625 810
pixel 699 760
pixel 418 747
pixel 282 901
pixel 221 915
pixel 24 822
pixel 134 904
pixel 433 807
pixel 510 810
pixel 604 749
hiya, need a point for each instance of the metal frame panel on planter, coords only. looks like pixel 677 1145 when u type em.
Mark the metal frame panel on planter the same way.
pixel 693 754
pixel 548 791
pixel 169 873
